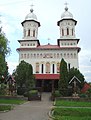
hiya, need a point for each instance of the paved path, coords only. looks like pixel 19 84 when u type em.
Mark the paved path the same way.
pixel 32 110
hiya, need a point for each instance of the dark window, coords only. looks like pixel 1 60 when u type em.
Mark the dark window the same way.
pixel 62 32
pixel 72 32
pixel 53 69
pixel 42 68
pixel 33 33
pixel 28 32
pixel 67 31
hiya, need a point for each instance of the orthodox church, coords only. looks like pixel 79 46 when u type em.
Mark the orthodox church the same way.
pixel 45 59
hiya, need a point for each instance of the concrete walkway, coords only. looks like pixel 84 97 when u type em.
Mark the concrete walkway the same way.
pixel 32 110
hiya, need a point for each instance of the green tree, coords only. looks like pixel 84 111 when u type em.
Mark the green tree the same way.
pixel 4 50
pixel 24 75
pixel 30 82
pixel 75 72
pixel 63 81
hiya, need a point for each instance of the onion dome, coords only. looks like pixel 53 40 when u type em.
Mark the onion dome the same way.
pixel 31 16
pixel 66 14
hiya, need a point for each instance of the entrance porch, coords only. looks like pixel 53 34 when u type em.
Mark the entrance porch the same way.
pixel 47 82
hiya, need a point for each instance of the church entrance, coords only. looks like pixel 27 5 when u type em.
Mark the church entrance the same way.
pixel 47 85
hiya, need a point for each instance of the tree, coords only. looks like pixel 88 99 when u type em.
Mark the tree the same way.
pixel 75 72
pixel 30 83
pixel 24 75
pixel 4 50
pixel 63 81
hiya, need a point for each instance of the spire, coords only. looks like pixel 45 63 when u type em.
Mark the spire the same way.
pixel 66 7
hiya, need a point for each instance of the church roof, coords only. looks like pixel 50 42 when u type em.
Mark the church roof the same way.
pixel 48 47
pixel 47 76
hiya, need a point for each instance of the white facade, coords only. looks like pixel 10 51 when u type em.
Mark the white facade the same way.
pixel 46 59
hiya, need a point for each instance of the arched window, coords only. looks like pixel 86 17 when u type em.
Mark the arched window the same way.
pixel 74 55
pixel 24 55
pixel 53 68
pixel 41 55
pixel 67 31
pixel 58 67
pixel 28 32
pixel 33 33
pixel 72 32
pixel 34 55
pixel 62 32
pixel 54 55
pixel 37 55
pixel 68 55
pixel 37 67
pixel 57 55
pixel 42 68
pixel 71 55
pixel 65 55
pixel 21 56
pixel 61 55
pixel 47 67
pixel 24 32
pixel 31 55
pixel 28 55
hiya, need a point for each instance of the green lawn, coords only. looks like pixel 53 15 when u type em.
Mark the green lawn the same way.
pixel 72 113
pixel 11 101
pixel 71 110
pixel 5 107
pixel 4 103
pixel 72 103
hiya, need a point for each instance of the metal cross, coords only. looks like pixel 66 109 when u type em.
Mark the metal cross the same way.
pixel 32 4
pixel 66 3
pixel 48 40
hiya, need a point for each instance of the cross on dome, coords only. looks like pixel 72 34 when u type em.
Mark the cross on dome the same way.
pixel 31 10
pixel 48 41
pixel 66 8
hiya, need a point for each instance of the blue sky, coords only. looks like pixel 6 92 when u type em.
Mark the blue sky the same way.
pixel 48 12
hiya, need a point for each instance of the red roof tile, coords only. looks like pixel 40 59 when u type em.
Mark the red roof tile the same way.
pixel 85 87
pixel 47 76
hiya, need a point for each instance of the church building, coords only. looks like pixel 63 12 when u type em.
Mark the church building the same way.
pixel 45 59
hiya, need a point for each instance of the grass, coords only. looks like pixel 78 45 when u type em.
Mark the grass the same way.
pixel 5 107
pixel 72 103
pixel 11 101
pixel 72 110
pixel 72 118
pixel 72 113
pixel 4 103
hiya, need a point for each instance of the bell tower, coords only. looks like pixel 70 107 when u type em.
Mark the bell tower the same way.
pixel 67 25
pixel 68 40
pixel 30 26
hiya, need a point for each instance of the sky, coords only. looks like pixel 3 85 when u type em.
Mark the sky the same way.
pixel 48 12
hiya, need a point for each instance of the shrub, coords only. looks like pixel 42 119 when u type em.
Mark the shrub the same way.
pixel 83 95
pixel 32 93
pixel 56 94
pixel 21 91
pixel 2 89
